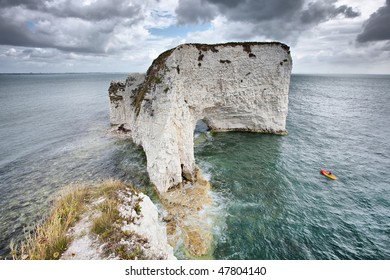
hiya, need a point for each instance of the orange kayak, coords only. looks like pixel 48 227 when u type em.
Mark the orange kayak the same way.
pixel 328 174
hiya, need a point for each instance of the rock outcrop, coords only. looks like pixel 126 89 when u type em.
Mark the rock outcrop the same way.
pixel 231 87
pixel 138 233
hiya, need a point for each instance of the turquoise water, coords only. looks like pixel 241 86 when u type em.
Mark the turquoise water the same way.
pixel 272 200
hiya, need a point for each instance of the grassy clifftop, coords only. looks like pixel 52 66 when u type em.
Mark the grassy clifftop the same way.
pixel 100 203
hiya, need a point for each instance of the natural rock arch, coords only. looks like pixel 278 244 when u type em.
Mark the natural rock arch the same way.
pixel 233 86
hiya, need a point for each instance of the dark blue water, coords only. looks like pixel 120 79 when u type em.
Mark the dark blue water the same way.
pixel 272 200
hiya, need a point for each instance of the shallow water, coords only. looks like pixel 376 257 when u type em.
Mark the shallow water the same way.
pixel 271 199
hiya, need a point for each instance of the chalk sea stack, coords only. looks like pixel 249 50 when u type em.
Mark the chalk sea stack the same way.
pixel 231 87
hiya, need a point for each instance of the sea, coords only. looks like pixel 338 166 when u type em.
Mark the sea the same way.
pixel 270 198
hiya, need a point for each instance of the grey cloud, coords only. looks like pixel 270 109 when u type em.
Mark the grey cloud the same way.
pixel 11 34
pixel 32 4
pixel 377 27
pixel 88 39
pixel 195 11
pixel 276 19
pixel 386 47
pixel 227 3
pixel 96 11
pixel 190 11
pixel 324 10
pixel 349 12
pixel 66 25
pixel 40 54
pixel 257 10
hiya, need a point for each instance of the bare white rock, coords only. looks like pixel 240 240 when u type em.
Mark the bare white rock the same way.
pixel 232 87
pixel 84 245
pixel 149 226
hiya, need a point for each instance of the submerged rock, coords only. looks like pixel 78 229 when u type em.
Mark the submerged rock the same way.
pixel 231 87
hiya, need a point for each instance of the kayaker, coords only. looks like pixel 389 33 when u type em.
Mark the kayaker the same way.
pixel 330 172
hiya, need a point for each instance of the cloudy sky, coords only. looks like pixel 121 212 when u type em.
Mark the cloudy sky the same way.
pixel 325 36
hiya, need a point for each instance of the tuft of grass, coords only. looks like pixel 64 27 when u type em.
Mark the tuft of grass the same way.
pixel 123 252
pixel 50 240
pixel 108 225
pixel 109 188
pixel 105 224
pixel 137 208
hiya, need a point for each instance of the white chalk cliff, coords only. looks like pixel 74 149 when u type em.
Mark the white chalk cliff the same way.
pixel 231 87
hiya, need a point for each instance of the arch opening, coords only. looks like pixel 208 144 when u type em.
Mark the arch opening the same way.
pixel 201 127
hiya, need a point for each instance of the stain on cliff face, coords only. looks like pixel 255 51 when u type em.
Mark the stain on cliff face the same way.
pixel 115 92
pixel 225 61
pixel 152 76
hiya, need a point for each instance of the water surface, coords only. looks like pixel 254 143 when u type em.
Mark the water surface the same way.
pixel 273 202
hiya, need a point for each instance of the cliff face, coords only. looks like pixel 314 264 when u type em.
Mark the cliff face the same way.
pixel 231 87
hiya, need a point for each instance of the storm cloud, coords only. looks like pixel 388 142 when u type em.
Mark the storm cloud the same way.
pixel 195 11
pixel 257 10
pixel 69 25
pixel 236 10
pixel 321 11
pixel 88 10
pixel 377 27
pixel 275 19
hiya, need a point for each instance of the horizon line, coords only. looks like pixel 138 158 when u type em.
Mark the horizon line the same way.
pixel 129 72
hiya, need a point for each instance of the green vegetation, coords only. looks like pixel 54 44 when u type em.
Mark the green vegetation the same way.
pixel 152 77
pixel 104 225
pixel 113 90
pixel 50 240
pixel 108 226
pixel 137 209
